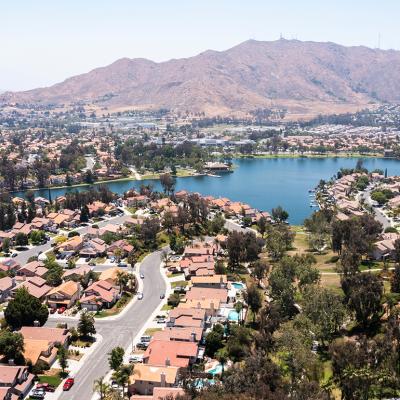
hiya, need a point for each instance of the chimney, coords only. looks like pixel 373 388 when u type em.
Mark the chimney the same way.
pixel 162 379
pixel 193 337
pixel 167 362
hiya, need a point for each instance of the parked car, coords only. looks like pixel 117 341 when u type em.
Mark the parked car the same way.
pixel 161 320
pixel 52 310
pixel 61 310
pixel 37 394
pixel 141 276
pixel 135 359
pixel 162 296
pixel 123 265
pixel 140 296
pixel 68 383
pixel 142 345
pixel 13 255
pixel 114 385
pixel 92 263
pixel 145 339
pixel 46 387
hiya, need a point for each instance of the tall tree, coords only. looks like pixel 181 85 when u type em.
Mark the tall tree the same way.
pixel 86 326
pixel 24 310
pixel 115 358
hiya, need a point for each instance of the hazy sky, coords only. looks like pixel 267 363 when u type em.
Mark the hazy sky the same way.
pixel 45 41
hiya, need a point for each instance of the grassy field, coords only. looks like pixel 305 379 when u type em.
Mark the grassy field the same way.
pixel 326 260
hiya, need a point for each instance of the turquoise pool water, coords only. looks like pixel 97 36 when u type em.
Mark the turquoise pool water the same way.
pixel 238 285
pixel 233 316
pixel 216 370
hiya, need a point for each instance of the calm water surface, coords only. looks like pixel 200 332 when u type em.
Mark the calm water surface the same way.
pixel 262 183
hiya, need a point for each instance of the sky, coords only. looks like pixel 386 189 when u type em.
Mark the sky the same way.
pixel 43 42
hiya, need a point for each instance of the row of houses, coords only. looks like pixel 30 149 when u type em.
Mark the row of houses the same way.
pixel 180 345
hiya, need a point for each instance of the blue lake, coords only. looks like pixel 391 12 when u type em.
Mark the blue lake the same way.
pixel 262 183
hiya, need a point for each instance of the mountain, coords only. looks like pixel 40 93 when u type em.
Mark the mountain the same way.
pixel 304 77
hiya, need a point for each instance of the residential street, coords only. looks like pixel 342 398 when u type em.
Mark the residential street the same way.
pixel 119 331
pixel 379 215
pixel 23 257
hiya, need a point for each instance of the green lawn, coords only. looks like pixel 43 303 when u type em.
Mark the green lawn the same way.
pixel 166 307
pixel 179 283
pixel 53 380
pixel 117 308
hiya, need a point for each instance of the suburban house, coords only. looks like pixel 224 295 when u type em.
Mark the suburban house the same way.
pixel 15 382
pixel 111 275
pixel 175 353
pixel 72 245
pixel 36 286
pixel 64 295
pixel 146 378
pixel 41 343
pixel 385 247
pixel 201 293
pixel 6 285
pixel 179 334
pixel 77 273
pixel 213 281
pixel 93 248
pixel 120 245
pixel 98 295
pixel 170 393
pixel 33 268
pixel 9 266
pixel 186 317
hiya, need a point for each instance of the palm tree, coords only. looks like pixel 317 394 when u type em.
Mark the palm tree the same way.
pixel 121 376
pixel 122 280
pixel 101 387
pixel 222 356
pixel 239 309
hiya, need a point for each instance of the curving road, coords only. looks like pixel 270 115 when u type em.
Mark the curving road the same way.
pixel 119 331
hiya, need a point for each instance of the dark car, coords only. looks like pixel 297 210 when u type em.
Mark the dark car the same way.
pixel 142 345
pixel 46 387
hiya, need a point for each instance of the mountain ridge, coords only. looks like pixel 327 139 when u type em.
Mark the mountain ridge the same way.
pixel 292 74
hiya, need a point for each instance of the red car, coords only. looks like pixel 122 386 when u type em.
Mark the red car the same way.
pixel 46 386
pixel 61 310
pixel 68 383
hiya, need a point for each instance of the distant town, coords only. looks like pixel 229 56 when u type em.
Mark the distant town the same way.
pixel 42 146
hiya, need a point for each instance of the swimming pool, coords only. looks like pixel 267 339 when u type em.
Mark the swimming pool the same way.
pixel 238 285
pixel 233 316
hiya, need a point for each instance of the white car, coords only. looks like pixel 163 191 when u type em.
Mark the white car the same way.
pixel 140 296
pixel 135 359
